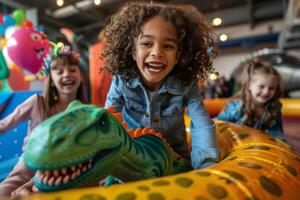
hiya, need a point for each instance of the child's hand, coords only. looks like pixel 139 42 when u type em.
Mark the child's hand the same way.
pixel 24 190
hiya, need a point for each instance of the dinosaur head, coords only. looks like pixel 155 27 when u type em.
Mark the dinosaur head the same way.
pixel 74 148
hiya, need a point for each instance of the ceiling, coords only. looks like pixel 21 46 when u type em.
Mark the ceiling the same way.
pixel 86 19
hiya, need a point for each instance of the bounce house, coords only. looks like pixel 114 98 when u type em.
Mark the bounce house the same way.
pixel 253 164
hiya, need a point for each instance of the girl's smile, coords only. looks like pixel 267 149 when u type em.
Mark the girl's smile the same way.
pixel 263 88
pixel 155 51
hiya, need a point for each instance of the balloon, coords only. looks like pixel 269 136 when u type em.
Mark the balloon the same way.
pixel 10 30
pixel 19 16
pixel 1 18
pixel 27 48
pixel 8 60
pixel 16 80
pixel 2 30
pixel 4 73
pixel 2 43
pixel 27 23
pixel 8 20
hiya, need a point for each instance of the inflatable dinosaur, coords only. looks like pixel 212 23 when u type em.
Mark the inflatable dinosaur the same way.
pixel 85 143
pixel 253 166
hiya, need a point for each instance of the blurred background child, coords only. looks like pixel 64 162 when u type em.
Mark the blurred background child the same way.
pixel 257 104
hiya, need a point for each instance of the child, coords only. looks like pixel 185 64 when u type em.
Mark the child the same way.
pixel 63 85
pixel 257 104
pixel 156 53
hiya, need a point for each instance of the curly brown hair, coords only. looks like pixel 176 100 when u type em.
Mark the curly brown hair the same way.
pixel 254 67
pixel 196 40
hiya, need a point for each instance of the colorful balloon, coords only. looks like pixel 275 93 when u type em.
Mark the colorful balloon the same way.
pixel 19 16
pixel 16 80
pixel 1 18
pixel 10 30
pixel 8 20
pixel 4 73
pixel 27 48
pixel 2 30
pixel 8 60
pixel 27 23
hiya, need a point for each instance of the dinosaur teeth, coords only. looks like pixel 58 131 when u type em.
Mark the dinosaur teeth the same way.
pixel 64 175
pixel 55 172
pixel 51 181
pixel 58 181
pixel 73 176
pixel 64 171
pixel 66 179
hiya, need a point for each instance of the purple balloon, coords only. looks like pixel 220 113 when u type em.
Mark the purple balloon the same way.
pixel 27 48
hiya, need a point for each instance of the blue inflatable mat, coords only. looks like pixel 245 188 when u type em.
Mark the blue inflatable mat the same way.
pixel 11 142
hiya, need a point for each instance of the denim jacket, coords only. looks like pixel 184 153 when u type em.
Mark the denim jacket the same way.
pixel 233 113
pixel 165 114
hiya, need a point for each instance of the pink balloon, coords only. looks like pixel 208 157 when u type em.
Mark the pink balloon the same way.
pixel 27 48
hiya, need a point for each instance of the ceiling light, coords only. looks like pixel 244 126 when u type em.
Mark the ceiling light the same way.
pixel 72 9
pixel 217 21
pixel 213 76
pixel 97 2
pixel 223 37
pixel 60 2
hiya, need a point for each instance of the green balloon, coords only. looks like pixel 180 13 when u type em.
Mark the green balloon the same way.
pixel 19 16
pixel 4 73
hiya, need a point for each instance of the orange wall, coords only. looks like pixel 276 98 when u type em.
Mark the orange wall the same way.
pixel 99 79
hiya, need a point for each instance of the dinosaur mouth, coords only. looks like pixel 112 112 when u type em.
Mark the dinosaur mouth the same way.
pixel 61 176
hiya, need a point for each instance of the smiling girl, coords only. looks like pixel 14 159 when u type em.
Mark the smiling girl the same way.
pixel 257 104
pixel 157 53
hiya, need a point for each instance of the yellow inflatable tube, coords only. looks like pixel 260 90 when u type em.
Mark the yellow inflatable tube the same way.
pixel 290 107
pixel 254 166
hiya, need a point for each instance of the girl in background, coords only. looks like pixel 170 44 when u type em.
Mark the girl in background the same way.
pixel 257 104
pixel 63 85
pixel 157 53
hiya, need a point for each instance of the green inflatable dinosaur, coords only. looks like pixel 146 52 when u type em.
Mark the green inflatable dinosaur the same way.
pixel 86 143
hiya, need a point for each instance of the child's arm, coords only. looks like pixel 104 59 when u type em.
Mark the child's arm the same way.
pixel 22 112
pixel 276 129
pixel 115 96
pixel 230 112
pixel 204 148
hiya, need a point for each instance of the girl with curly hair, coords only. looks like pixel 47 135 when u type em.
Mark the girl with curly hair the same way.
pixel 157 53
pixel 257 104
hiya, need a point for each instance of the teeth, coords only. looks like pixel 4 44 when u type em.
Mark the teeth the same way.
pixel 55 172
pixel 73 176
pixel 154 70
pixel 155 64
pixel 45 180
pixel 64 171
pixel 64 175
pixel 51 181
pixel 66 179
pixel 73 168
pixel 58 181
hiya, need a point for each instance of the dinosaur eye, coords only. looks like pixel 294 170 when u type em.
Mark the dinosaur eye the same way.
pixel 103 122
